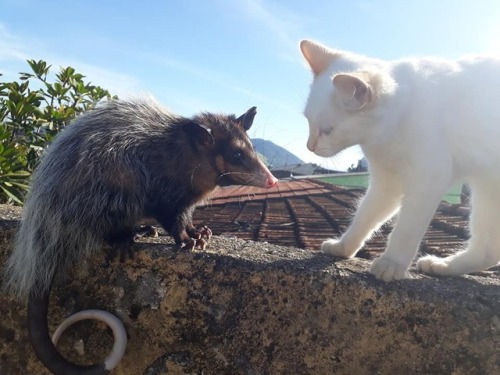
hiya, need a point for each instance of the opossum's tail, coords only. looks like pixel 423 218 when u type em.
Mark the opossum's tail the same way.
pixel 44 346
pixel 47 245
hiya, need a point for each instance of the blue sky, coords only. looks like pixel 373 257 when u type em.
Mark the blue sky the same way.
pixel 228 55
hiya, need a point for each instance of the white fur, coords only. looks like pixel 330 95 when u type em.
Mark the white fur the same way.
pixel 423 124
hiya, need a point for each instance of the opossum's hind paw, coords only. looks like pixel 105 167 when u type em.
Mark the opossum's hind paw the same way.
pixel 127 249
pixel 201 244
pixel 145 231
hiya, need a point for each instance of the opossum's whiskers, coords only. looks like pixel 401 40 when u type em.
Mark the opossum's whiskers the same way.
pixel 224 174
pixel 250 181
pixel 192 174
pixel 242 173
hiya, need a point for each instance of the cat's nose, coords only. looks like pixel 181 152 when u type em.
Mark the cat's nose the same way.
pixel 311 143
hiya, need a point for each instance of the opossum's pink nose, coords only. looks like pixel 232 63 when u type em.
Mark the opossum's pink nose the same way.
pixel 271 182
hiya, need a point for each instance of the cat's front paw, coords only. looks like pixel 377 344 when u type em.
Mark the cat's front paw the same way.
pixel 336 248
pixel 387 269
pixel 433 264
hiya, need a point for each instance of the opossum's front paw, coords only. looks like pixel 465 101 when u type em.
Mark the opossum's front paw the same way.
pixel 387 269
pixel 194 243
pixel 204 232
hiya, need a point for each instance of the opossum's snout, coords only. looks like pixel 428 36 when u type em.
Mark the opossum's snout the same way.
pixel 245 168
pixel 267 179
pixel 271 182
pixel 260 176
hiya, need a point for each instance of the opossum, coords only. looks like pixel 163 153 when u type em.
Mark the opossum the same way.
pixel 108 169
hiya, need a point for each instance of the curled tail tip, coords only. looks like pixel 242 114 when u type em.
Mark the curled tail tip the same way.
pixel 46 351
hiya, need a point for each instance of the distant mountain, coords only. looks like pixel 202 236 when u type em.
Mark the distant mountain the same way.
pixel 275 155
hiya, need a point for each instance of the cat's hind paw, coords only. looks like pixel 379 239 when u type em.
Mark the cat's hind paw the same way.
pixel 336 248
pixel 434 265
pixel 388 270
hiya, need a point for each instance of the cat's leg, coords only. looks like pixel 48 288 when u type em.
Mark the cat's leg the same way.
pixel 483 250
pixel 380 203
pixel 417 209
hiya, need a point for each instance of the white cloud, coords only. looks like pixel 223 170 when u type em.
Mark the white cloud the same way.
pixel 15 50
pixel 115 82
pixel 280 22
pixel 277 23
pixel 215 78
pixel 11 47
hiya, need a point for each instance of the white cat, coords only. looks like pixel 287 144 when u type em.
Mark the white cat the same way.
pixel 423 124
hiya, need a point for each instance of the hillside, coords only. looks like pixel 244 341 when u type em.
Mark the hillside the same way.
pixel 275 155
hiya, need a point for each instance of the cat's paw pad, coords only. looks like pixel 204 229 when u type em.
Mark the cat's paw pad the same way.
pixel 433 264
pixel 388 270
pixel 336 248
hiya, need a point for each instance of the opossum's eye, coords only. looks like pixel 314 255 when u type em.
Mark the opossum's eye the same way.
pixel 237 157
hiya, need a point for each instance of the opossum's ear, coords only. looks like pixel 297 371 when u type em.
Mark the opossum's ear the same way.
pixel 246 119
pixel 201 133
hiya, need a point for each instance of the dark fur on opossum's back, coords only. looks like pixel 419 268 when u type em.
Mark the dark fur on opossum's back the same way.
pixel 105 171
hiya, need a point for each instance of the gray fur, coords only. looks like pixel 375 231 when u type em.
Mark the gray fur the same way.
pixel 63 223
pixel 110 150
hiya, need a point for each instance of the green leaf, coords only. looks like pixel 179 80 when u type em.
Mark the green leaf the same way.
pixel 11 195
pixel 17 174
pixel 21 185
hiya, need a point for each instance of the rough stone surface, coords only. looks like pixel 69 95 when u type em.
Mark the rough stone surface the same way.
pixel 243 307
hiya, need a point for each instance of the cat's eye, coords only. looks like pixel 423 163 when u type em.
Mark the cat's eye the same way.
pixel 325 131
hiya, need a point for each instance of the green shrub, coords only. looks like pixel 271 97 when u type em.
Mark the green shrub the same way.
pixel 32 111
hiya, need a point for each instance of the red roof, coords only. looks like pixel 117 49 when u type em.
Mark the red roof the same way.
pixel 303 213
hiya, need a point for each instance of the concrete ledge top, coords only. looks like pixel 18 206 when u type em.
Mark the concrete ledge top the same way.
pixel 242 307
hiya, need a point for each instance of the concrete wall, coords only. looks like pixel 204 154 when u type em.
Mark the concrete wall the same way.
pixel 253 308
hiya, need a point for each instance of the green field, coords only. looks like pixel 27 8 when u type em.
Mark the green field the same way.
pixel 361 180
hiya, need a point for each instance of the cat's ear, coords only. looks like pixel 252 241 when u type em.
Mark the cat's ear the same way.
pixel 355 92
pixel 246 119
pixel 317 55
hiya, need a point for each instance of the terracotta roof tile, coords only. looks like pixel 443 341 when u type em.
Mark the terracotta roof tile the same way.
pixel 303 213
